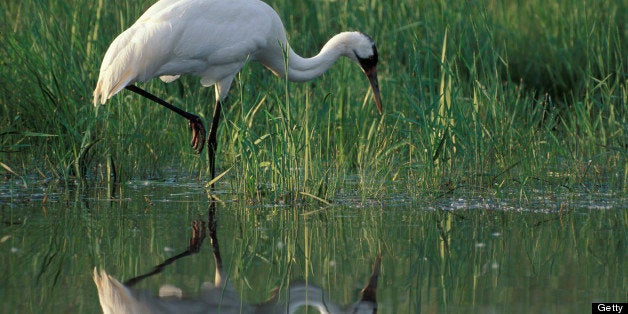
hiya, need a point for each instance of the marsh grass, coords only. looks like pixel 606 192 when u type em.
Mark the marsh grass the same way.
pixel 481 94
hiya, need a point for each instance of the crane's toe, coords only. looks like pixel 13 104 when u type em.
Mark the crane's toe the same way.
pixel 198 134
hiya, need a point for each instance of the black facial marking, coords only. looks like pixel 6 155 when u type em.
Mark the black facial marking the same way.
pixel 370 62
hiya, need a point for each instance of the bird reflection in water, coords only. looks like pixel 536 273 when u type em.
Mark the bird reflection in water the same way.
pixel 219 297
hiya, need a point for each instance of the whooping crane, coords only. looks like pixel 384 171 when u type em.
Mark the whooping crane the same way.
pixel 212 39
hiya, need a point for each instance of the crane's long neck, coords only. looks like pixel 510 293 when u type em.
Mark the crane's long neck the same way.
pixel 303 69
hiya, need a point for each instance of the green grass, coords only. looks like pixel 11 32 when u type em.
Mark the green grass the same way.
pixel 482 94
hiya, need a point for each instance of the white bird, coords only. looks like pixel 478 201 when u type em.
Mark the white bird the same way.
pixel 212 39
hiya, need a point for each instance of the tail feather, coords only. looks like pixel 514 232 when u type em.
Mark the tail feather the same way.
pixel 114 297
pixel 110 84
pixel 135 55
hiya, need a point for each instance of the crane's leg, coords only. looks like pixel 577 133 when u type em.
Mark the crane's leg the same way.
pixel 212 225
pixel 196 241
pixel 196 124
pixel 211 140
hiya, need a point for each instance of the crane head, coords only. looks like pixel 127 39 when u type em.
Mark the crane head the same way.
pixel 367 57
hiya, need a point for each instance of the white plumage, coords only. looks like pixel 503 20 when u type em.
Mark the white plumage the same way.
pixel 212 39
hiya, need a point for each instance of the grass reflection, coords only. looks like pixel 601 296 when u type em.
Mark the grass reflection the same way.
pixel 435 257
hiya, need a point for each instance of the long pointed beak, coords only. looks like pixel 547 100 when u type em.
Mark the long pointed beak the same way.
pixel 372 76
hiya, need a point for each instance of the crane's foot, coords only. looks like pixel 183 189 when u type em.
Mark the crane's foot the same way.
pixel 198 235
pixel 198 134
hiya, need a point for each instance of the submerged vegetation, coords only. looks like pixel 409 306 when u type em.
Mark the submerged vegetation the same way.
pixel 482 94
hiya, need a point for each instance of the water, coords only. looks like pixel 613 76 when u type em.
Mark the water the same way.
pixel 460 253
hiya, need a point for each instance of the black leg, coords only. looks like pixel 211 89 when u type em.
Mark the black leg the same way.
pixel 196 124
pixel 212 226
pixel 211 140
pixel 196 241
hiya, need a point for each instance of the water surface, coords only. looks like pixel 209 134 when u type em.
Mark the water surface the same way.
pixel 459 253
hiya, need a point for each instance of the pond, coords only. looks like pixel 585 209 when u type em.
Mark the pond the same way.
pixel 459 253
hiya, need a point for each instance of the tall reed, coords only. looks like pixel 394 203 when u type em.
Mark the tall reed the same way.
pixel 484 94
